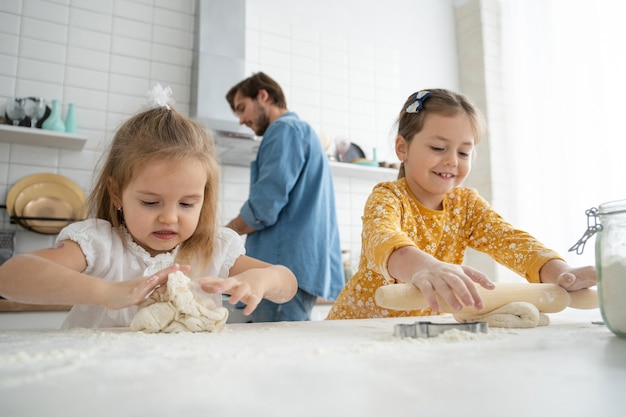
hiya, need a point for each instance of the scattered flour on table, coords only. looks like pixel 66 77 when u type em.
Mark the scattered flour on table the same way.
pixel 456 335
pixel 390 343
pixel 459 336
pixel 29 365
pixel 65 353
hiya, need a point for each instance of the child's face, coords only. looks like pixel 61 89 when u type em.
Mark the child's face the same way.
pixel 439 157
pixel 162 204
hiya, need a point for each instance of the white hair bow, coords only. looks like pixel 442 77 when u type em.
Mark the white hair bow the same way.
pixel 160 97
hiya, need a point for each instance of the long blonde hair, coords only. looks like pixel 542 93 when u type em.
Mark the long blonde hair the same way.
pixel 161 134
pixel 440 101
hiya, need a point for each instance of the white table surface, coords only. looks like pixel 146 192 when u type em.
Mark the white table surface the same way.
pixel 321 368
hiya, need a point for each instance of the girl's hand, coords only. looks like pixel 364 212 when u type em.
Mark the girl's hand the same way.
pixel 248 291
pixel 559 272
pixel 136 291
pixel 577 278
pixel 453 283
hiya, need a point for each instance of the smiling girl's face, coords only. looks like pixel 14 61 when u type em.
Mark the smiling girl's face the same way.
pixel 162 203
pixel 438 158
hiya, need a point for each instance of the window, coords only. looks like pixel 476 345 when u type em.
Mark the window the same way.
pixel 564 65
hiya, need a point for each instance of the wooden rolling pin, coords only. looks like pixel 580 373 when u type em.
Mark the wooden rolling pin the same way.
pixel 548 298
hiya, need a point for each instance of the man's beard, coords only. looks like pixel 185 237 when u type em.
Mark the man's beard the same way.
pixel 262 122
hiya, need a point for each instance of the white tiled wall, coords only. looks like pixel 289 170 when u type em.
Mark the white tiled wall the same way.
pixel 101 55
pixel 352 187
pixel 346 72
pixel 343 86
pixel 352 192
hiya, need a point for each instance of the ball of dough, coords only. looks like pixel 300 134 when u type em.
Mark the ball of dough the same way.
pixel 176 308
pixel 154 317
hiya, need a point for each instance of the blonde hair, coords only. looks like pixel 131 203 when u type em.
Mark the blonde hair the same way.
pixel 153 135
pixel 440 101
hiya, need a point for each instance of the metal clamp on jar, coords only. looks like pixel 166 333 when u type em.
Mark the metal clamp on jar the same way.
pixel 608 221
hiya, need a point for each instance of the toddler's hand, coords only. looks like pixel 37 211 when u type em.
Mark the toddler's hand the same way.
pixel 452 283
pixel 239 290
pixel 135 291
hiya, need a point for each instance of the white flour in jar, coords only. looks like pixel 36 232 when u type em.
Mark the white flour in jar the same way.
pixel 613 294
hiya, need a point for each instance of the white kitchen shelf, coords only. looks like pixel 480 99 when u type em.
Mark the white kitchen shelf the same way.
pixel 41 137
pixel 344 169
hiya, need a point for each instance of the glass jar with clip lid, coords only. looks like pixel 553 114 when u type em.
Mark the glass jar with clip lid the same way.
pixel 608 223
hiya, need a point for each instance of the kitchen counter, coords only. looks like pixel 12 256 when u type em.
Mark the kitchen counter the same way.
pixel 572 367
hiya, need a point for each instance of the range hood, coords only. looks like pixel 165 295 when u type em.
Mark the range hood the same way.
pixel 218 64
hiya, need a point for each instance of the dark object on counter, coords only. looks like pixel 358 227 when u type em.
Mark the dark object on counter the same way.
pixel 393 165
pixel 26 121
pixel 7 243
pixel 353 152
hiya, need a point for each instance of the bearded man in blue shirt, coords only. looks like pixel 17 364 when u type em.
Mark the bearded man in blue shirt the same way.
pixel 290 217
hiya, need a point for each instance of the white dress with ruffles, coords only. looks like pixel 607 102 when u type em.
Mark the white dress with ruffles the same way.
pixel 116 257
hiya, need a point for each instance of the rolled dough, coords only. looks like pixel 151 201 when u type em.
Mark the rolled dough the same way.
pixel 177 308
pixel 517 314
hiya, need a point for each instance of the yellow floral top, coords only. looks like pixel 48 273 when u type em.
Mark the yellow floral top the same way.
pixel 394 218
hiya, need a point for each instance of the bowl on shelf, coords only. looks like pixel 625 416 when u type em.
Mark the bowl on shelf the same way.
pixel 45 203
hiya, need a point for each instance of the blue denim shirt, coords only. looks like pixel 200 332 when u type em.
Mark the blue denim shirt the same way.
pixel 291 206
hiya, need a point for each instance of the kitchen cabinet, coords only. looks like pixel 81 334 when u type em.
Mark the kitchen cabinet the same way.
pixel 41 137
pixel 14 315
pixel 28 318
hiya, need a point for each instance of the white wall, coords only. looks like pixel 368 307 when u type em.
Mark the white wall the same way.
pixel 101 55
pixel 346 66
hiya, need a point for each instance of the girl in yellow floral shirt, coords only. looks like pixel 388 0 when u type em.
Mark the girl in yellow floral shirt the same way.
pixel 416 229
